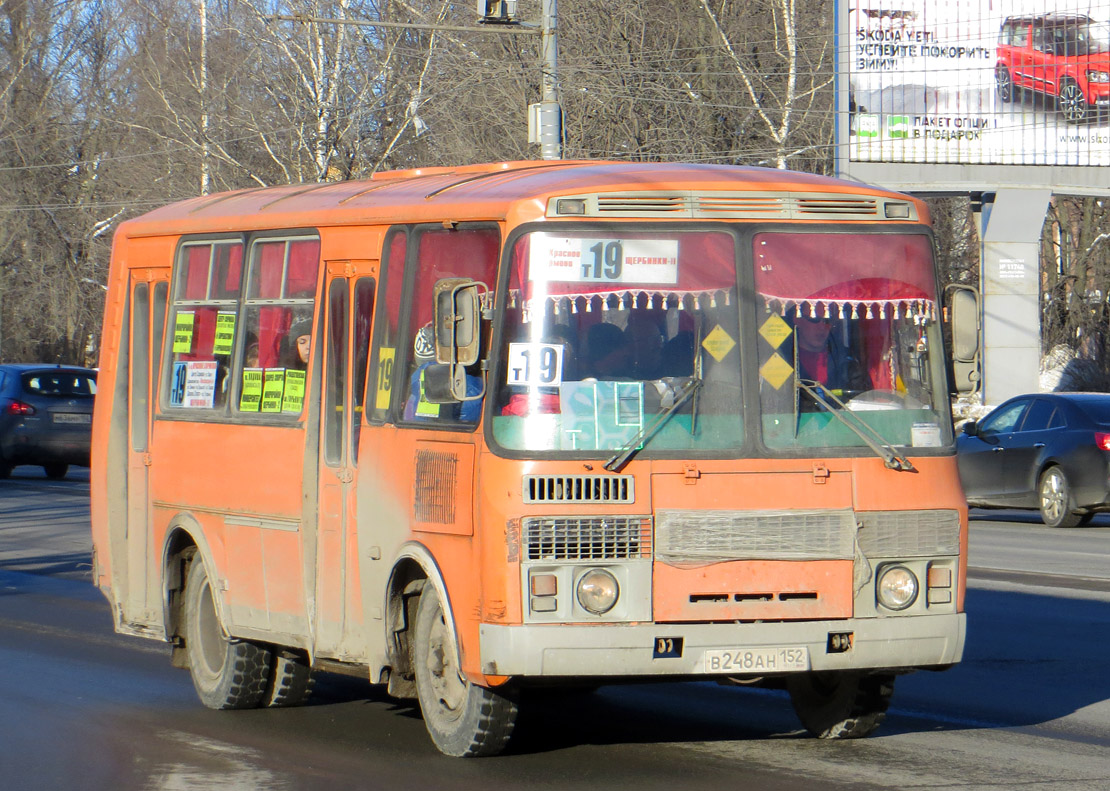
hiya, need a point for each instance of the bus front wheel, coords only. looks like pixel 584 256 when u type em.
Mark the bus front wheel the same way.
pixel 462 718
pixel 840 705
pixel 227 673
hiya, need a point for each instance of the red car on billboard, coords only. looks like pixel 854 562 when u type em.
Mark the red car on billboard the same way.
pixel 1065 56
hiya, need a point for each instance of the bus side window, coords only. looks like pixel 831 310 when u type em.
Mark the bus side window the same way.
pixel 470 252
pixel 205 312
pixel 363 318
pixel 381 378
pixel 277 340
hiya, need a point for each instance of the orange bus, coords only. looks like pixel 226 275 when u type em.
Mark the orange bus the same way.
pixel 470 431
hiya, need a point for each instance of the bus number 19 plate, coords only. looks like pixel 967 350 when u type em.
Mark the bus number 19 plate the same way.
pixel 756 660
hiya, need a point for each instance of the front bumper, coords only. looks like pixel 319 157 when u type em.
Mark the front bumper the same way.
pixel 611 650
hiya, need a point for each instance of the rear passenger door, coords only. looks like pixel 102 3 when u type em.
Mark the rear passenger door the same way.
pixel 149 292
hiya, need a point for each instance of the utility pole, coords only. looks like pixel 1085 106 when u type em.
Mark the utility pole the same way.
pixel 550 113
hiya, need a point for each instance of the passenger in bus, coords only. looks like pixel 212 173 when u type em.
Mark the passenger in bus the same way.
pixel 678 355
pixel 823 358
pixel 417 407
pixel 298 343
pixel 607 353
pixel 644 340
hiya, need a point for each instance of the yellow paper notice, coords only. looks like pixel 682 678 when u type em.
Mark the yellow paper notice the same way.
pixel 251 398
pixel 292 399
pixel 225 333
pixel 776 370
pixel 385 377
pixel 718 343
pixel 183 333
pixel 775 330
pixel 272 389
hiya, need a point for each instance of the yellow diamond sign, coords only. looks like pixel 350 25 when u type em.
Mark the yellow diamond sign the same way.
pixel 775 330
pixel 776 370
pixel 718 343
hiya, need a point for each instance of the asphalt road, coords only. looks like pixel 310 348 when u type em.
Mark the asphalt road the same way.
pixel 81 707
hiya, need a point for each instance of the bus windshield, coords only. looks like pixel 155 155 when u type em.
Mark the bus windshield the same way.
pixel 848 341
pixel 606 331
pixel 618 338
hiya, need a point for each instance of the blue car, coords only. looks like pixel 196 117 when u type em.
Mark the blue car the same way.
pixel 45 417
pixel 1048 451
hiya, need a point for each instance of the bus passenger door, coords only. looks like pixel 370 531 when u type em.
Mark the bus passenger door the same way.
pixel 148 300
pixel 346 341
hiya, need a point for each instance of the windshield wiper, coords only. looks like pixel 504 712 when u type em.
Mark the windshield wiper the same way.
pixel 632 447
pixel 840 411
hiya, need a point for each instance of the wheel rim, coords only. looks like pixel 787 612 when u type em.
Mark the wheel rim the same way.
pixel 1054 496
pixel 1004 86
pixel 212 648
pixel 447 684
pixel 1072 102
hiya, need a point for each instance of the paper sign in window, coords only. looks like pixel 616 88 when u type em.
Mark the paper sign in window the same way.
pixel 292 399
pixel 250 400
pixel 183 332
pixel 384 377
pixel 200 383
pixel 535 364
pixel 273 388
pixel 571 260
pixel 225 332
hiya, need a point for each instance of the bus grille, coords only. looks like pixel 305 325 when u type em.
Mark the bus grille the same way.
pixel 718 536
pixel 579 489
pixel 587 538
pixel 908 534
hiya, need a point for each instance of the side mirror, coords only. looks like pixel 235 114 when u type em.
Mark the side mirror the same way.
pixel 457 320
pixel 965 325
pixel 448 384
pixel 971 428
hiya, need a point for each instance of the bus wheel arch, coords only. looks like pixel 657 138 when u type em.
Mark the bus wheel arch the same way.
pixel 413 570
pixel 181 547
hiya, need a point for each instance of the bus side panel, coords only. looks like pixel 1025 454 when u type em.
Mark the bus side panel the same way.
pixel 244 486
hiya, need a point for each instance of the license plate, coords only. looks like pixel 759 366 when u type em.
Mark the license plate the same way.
pixel 71 417
pixel 756 660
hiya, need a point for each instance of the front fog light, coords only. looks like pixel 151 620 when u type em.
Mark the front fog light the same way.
pixel 598 591
pixel 897 587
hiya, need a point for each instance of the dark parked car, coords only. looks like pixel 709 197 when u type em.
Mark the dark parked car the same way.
pixel 45 417
pixel 1049 451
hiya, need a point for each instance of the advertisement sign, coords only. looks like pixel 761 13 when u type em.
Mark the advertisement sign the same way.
pixel 1005 84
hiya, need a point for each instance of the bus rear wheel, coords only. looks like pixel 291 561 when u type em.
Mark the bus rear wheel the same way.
pixel 227 673
pixel 291 680
pixel 840 705
pixel 463 719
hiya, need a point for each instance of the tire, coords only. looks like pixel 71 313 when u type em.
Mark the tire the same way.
pixel 55 472
pixel 1054 497
pixel 1072 103
pixel 1006 92
pixel 5 469
pixel 291 680
pixel 463 719
pixel 227 673
pixel 840 705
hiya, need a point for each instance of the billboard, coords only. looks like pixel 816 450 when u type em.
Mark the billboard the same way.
pixel 959 95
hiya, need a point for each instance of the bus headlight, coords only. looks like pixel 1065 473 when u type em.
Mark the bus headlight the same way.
pixel 598 591
pixel 897 587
